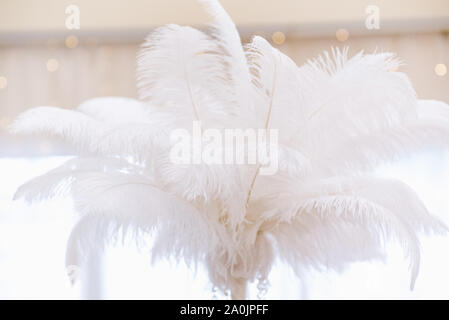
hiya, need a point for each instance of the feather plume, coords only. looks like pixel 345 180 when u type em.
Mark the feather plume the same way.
pixel 226 35
pixel 181 68
pixel 338 118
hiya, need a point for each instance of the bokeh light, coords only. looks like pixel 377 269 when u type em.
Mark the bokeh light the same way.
pixel 342 35
pixel 440 69
pixel 3 82
pixel 278 37
pixel 52 65
pixel 71 42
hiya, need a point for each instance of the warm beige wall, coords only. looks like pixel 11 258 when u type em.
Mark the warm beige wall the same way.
pixel 109 69
pixel 49 15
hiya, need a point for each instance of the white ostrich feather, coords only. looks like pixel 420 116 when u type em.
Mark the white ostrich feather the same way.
pixel 225 34
pixel 338 118
pixel 111 109
pixel 182 68
pixel 173 220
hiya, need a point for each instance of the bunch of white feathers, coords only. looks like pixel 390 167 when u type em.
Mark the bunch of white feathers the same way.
pixel 338 118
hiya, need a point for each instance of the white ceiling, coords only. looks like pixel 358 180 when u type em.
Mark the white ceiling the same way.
pixel 314 16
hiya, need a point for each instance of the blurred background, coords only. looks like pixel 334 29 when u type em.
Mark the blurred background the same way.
pixel 45 59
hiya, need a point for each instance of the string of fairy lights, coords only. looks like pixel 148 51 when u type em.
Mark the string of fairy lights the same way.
pixel 278 38
pixel 72 42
